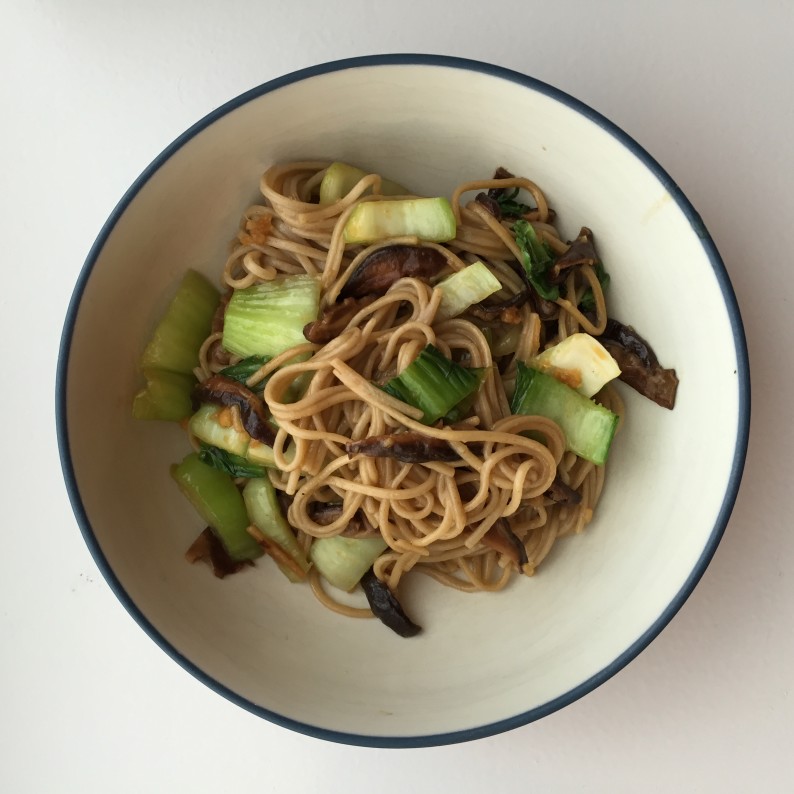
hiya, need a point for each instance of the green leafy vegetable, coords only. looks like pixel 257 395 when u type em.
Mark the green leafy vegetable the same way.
pixel 341 178
pixel 166 396
pixel 461 410
pixel 243 370
pixel 464 288
pixel 433 383
pixel 215 497
pixel 263 508
pixel 167 361
pixel 176 341
pixel 343 561
pixel 233 465
pixel 267 319
pixel 537 260
pixel 510 207
pixel 587 302
pixel 588 426
pixel 425 218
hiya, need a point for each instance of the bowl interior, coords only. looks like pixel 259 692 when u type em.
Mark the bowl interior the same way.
pixel 482 659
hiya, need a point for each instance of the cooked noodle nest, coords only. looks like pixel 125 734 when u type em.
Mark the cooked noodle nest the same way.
pixel 433 516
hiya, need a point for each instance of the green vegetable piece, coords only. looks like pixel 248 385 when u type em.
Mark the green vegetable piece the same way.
pixel 427 218
pixel 298 388
pixel 537 260
pixel 588 427
pixel 175 344
pixel 267 319
pixel 263 455
pixel 205 426
pixel 509 207
pixel 463 408
pixel 166 396
pixel 504 340
pixel 244 369
pixel 464 288
pixel 233 465
pixel 343 561
pixel 433 383
pixel 265 513
pixel 341 178
pixel 219 503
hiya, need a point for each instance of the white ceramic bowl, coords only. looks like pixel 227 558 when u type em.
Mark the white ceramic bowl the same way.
pixel 485 663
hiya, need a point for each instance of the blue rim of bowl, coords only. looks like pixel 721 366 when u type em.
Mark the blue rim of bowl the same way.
pixel 743 374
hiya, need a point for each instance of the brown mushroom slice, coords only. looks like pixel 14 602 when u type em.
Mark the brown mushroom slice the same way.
pixel 358 527
pixel 500 537
pixel 386 607
pixel 208 548
pixel 546 310
pixel 656 383
pixel 562 493
pixel 581 252
pixel 491 205
pixel 408 447
pixel 507 311
pixel 220 390
pixel 335 319
pixel 389 264
pixel 627 337
pixel 639 366
pixel 325 513
pixel 500 173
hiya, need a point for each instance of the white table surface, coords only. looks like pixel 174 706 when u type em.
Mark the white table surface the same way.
pixel 90 93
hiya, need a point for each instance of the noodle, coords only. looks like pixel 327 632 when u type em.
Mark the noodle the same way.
pixel 433 516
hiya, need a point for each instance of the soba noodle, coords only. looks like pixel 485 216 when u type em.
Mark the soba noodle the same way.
pixel 433 516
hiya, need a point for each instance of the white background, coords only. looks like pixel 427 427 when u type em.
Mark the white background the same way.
pixel 90 92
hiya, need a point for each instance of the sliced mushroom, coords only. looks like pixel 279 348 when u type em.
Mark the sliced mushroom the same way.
pixel 546 310
pixel 359 527
pixel 383 267
pixel 562 493
pixel 628 338
pixel 500 173
pixel 335 319
pixel 220 390
pixel 409 447
pixel 501 538
pixel 507 311
pixel 639 366
pixel 655 383
pixel 581 252
pixel 386 607
pixel 325 513
pixel 490 204
pixel 207 547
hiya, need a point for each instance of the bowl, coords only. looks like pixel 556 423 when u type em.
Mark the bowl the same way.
pixel 487 662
